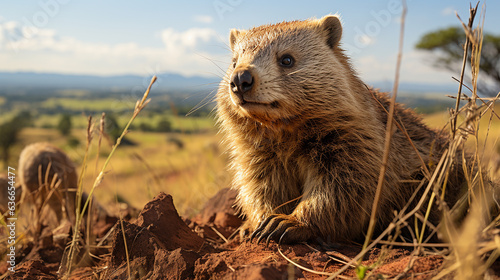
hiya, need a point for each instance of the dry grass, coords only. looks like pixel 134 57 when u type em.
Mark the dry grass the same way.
pixel 487 141
pixel 474 245
pixel 148 166
pixel 194 172
pixel 73 250
pixel 191 167
pixel 191 174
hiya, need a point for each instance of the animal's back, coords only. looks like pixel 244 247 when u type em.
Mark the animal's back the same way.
pixel 307 136
pixel 43 167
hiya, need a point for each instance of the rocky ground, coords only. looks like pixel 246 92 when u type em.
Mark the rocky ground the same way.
pixel 163 245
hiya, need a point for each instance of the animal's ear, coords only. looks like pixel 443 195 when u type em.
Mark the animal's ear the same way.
pixel 331 27
pixel 234 35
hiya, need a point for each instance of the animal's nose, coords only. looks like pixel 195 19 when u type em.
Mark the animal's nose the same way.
pixel 241 82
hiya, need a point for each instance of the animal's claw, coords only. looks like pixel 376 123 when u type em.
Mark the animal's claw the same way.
pixel 281 228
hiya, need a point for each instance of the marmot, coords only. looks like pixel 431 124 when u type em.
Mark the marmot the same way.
pixel 306 136
pixel 35 161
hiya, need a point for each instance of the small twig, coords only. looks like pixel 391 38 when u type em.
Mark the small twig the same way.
pixel 407 244
pixel 79 213
pixel 463 84
pixel 333 255
pixel 307 269
pixel 462 72
pixel 234 233
pixel 125 244
pixel 482 99
pixel 219 234
pixel 405 132
pixel 102 124
pixel 400 219
pixel 288 202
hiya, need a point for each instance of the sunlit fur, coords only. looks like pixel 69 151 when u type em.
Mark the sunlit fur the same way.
pixel 318 133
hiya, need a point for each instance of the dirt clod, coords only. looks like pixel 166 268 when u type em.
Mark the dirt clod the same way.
pixel 159 245
pixel 177 264
pixel 218 214
pixel 221 202
pixel 160 217
pixel 159 241
pixel 33 269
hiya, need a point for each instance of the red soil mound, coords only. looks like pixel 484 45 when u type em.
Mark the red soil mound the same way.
pixel 218 216
pixel 160 245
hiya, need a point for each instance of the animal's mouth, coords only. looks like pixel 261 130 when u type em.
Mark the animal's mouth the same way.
pixel 254 104
pixel 266 113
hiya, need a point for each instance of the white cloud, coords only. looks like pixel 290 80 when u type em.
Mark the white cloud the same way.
pixel 415 67
pixel 373 68
pixel 34 49
pixel 448 11
pixel 203 19
pixel 187 40
pixel 190 52
pixel 193 50
pixel 366 40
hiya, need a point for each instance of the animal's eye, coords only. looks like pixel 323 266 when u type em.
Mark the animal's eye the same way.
pixel 286 60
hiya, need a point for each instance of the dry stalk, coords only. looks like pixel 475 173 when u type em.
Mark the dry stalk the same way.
pixel 125 244
pixel 307 269
pixel 66 264
pixel 398 221
pixel 388 135
pixel 464 63
pixel 69 254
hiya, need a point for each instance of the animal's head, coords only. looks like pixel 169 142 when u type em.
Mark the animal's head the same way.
pixel 282 72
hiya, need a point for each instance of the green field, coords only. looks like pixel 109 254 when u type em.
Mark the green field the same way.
pixel 180 123
pixel 191 167
pixel 103 104
pixel 46 111
pixel 187 163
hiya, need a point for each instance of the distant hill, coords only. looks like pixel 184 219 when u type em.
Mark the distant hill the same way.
pixel 32 80
pixel 387 86
pixel 165 81
pixel 186 93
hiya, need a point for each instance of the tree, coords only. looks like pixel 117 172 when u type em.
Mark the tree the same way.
pixel 112 127
pixel 447 45
pixel 164 125
pixel 9 133
pixel 64 125
pixel 146 127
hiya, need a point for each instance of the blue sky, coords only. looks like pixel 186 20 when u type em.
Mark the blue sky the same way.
pixel 189 37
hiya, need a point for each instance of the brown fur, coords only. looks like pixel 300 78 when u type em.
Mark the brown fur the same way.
pixel 37 186
pixel 314 133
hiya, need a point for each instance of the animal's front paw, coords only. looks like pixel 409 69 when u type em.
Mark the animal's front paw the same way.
pixel 282 229
pixel 244 230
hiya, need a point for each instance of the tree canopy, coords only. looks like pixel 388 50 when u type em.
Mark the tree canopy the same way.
pixel 447 45
pixel 64 125
pixel 9 134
